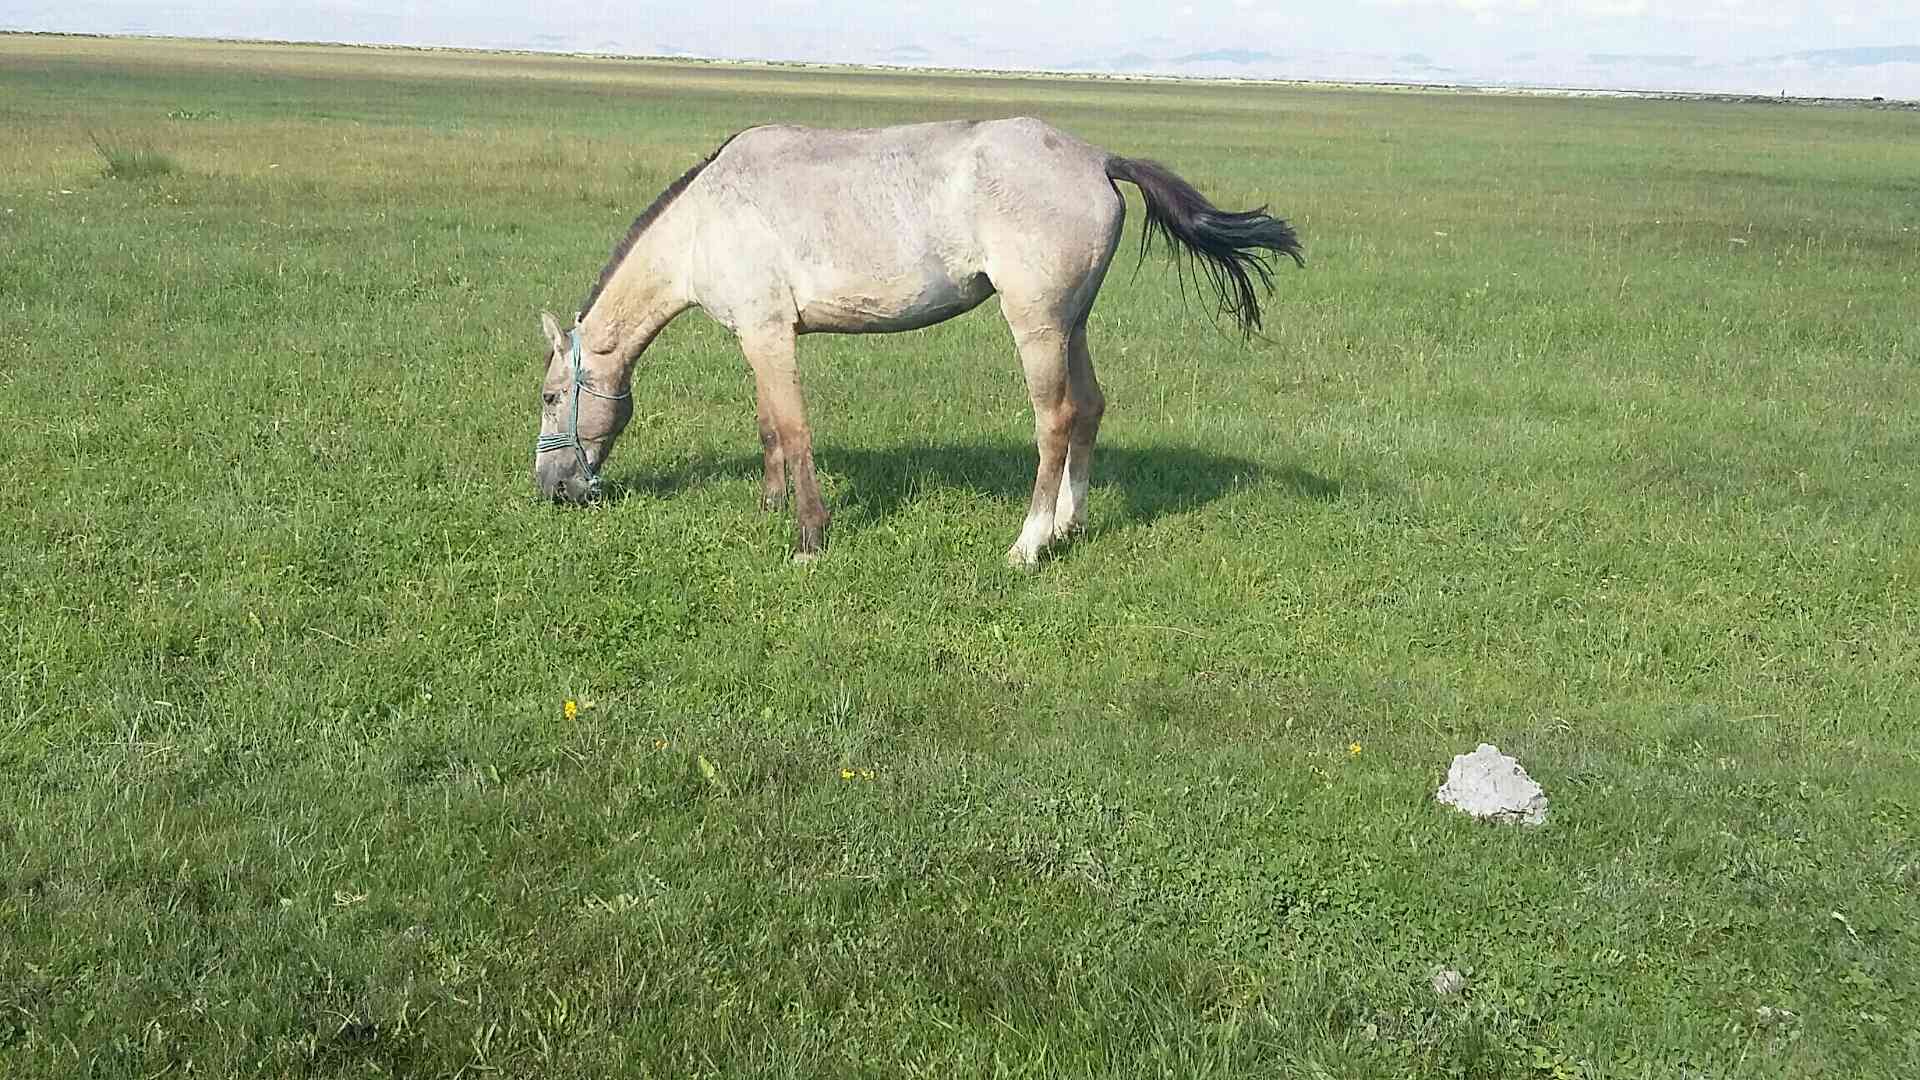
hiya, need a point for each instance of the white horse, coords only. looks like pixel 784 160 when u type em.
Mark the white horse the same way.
pixel 785 231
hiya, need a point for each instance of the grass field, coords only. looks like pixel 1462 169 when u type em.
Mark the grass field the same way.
pixel 1590 431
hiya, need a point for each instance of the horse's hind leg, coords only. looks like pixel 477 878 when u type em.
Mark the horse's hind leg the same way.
pixel 773 462
pixel 771 352
pixel 1044 353
pixel 1088 406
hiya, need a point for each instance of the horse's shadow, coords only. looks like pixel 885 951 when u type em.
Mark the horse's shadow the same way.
pixel 1151 481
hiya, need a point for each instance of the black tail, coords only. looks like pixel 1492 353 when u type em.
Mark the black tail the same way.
pixel 1231 246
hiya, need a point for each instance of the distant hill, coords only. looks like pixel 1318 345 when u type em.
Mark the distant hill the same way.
pixel 1648 60
pixel 1877 71
pixel 1227 56
pixel 1868 56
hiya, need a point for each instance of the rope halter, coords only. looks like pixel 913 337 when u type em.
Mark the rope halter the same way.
pixel 570 438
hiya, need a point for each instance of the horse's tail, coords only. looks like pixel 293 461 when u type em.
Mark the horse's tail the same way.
pixel 1231 247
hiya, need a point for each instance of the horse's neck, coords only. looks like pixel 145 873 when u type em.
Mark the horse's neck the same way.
pixel 647 291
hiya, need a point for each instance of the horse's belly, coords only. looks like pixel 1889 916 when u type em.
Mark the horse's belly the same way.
pixel 883 307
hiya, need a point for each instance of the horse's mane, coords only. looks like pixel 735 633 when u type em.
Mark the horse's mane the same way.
pixel 647 217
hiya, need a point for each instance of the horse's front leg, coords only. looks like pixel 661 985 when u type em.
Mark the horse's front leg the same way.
pixel 771 352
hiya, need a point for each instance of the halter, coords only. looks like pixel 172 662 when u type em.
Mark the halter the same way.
pixel 570 438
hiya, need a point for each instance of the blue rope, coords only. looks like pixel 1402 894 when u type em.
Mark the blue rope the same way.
pixel 570 438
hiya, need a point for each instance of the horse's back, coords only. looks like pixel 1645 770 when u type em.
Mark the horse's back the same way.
pixel 947 172
pixel 897 227
pixel 925 145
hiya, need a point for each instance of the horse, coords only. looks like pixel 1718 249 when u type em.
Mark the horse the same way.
pixel 787 230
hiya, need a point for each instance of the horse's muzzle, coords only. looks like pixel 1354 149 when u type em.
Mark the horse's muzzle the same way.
pixel 557 477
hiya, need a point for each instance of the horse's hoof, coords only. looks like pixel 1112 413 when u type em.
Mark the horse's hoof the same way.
pixel 1027 561
pixel 802 558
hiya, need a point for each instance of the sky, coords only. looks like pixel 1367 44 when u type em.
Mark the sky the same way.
pixel 1848 48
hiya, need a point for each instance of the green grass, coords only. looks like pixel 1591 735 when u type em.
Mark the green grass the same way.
pixel 1590 431
pixel 132 161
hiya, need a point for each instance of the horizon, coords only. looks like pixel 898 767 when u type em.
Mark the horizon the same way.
pixel 1792 48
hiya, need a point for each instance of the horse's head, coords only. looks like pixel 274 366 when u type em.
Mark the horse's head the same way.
pixel 581 414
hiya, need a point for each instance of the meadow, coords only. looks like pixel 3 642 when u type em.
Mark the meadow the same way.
pixel 1590 430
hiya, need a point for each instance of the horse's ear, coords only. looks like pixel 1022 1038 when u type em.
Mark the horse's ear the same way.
pixel 555 335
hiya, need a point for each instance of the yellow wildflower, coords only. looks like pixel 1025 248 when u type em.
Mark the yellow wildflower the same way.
pixel 866 774
pixel 846 774
pixel 571 708
pixel 1354 749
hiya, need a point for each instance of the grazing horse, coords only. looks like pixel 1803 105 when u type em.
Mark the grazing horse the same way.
pixel 785 231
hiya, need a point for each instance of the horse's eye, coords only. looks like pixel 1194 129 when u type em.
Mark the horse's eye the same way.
pixel 550 397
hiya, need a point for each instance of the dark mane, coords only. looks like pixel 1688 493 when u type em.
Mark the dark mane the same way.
pixel 646 218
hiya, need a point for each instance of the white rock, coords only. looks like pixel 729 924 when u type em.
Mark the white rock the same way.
pixel 1489 784
pixel 1448 982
